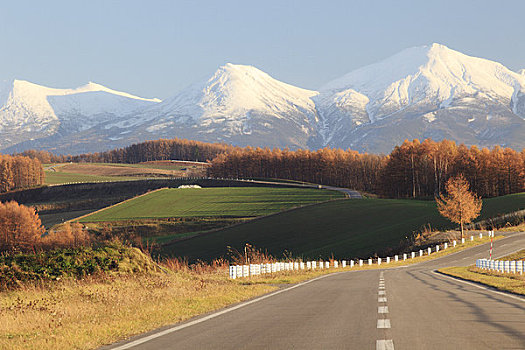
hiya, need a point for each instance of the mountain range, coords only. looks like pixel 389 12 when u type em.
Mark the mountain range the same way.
pixel 422 92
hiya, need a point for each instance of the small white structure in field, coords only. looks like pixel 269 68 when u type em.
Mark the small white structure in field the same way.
pixel 189 186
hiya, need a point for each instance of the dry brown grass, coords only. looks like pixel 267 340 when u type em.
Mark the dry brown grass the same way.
pixel 109 170
pixel 88 313
pixel 123 170
pixel 509 282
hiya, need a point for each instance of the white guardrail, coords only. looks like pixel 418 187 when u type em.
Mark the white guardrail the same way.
pixel 503 266
pixel 239 271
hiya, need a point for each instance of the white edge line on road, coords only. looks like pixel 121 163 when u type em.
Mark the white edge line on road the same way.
pixel 480 287
pixel 219 313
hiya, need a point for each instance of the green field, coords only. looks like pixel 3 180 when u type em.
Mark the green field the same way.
pixel 56 178
pixel 344 229
pixel 212 202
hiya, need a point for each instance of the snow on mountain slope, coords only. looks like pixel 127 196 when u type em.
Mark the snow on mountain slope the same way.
pixel 421 92
pixel 30 111
pixel 419 84
pixel 239 104
pixel 433 74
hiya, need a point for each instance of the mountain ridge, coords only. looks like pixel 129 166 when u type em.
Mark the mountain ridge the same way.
pixel 421 92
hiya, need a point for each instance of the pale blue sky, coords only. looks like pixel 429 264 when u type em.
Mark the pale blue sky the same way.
pixel 155 48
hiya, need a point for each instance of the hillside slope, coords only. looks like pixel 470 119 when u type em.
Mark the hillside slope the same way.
pixel 343 229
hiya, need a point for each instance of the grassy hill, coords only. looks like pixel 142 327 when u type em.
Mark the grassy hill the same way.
pixel 212 202
pixel 98 172
pixel 346 228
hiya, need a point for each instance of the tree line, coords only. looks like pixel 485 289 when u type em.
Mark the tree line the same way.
pixel 163 149
pixel 20 172
pixel 414 169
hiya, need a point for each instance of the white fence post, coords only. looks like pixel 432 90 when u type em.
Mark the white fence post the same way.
pixel 437 248
pixel 445 246
pixel 360 262
pixel 336 264
pixel 327 264
pixel 388 260
pixel 412 255
pixel 480 235
pixel 378 261
pixel 471 238
pixel 462 240
pixel 369 261
pixel 404 256
pixel 343 263
pixel 454 243
pixel 420 252
pixel 351 263
pixel 396 258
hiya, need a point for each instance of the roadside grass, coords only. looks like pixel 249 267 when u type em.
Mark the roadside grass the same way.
pixel 212 202
pixel 509 282
pixel 88 313
pixel 96 310
pixel 345 228
pixel 518 228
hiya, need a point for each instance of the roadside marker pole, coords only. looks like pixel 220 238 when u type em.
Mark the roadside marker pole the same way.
pixel 490 255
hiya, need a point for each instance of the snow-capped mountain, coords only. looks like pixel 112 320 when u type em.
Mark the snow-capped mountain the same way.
pixel 429 91
pixel 238 104
pixel 30 111
pixel 421 92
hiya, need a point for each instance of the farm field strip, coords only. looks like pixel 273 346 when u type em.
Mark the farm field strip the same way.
pixel 342 228
pixel 85 172
pixel 213 202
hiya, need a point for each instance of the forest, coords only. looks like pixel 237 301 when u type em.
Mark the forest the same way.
pixel 412 170
pixel 177 149
pixel 20 172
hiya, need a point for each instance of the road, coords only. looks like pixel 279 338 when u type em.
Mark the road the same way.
pixel 405 308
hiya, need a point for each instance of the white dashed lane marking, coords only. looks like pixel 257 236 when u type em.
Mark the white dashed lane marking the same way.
pixel 385 345
pixel 383 323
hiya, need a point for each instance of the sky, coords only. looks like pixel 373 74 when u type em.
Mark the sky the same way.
pixel 156 48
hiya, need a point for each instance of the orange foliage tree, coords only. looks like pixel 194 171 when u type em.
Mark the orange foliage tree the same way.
pixel 20 172
pixel 20 227
pixel 460 205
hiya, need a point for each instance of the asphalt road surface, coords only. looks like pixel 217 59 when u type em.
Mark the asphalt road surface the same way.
pixel 404 308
